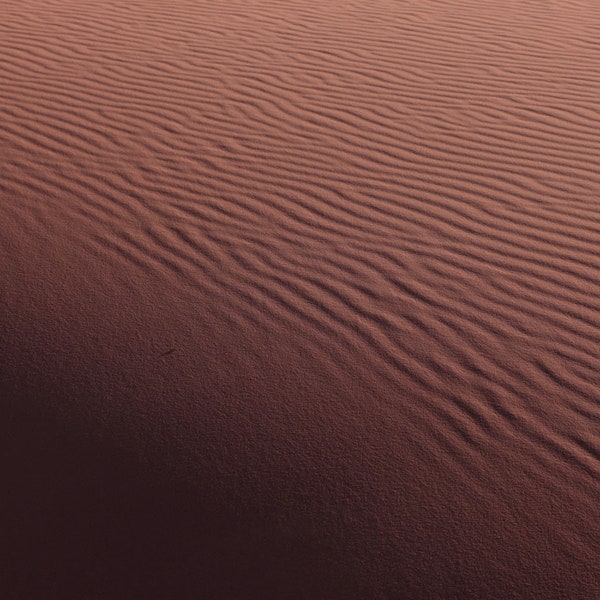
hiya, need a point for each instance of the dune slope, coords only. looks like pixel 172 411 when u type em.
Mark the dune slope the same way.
pixel 300 299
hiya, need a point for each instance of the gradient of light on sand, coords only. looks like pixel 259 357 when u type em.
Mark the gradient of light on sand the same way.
pixel 300 299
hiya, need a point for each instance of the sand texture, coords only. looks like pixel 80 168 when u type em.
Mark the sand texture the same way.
pixel 300 299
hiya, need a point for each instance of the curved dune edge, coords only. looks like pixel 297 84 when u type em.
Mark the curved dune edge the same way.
pixel 300 299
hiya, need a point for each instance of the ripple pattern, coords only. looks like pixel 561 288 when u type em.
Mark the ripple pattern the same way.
pixel 408 191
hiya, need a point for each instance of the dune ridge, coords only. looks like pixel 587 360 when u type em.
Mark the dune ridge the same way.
pixel 398 198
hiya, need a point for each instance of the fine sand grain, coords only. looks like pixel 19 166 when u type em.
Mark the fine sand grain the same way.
pixel 300 299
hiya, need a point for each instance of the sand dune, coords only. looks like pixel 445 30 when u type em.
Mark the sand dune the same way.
pixel 300 299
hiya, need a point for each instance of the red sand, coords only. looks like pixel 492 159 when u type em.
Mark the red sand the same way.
pixel 300 299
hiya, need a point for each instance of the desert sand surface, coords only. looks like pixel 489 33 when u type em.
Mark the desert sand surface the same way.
pixel 300 299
